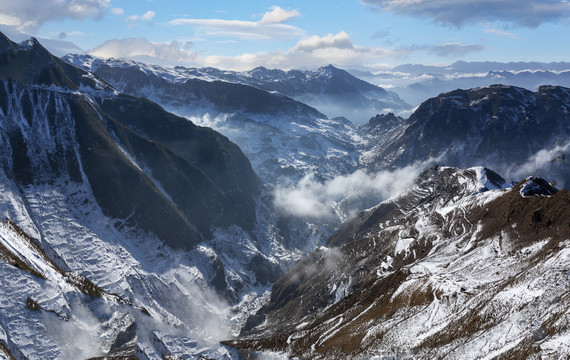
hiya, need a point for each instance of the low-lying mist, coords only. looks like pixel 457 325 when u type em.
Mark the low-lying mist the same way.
pixel 548 163
pixel 343 195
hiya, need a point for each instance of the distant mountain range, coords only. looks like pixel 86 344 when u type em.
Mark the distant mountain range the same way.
pixel 332 91
pixel 416 83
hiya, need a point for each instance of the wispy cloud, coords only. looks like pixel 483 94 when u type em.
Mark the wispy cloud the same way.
pixel 28 15
pixel 547 163
pixel 381 34
pixel 145 18
pixel 500 33
pixel 527 13
pixel 117 11
pixel 270 26
pixel 63 34
pixel 337 49
pixel 313 51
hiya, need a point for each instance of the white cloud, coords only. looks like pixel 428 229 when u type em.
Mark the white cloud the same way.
pixel 337 49
pixel 117 11
pixel 314 51
pixel 338 41
pixel 28 15
pixel 132 47
pixel 9 20
pixel 147 17
pixel 278 15
pixel 501 33
pixel 269 27
pixel 543 163
pixel 528 13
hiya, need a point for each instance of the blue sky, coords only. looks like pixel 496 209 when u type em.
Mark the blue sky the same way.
pixel 366 34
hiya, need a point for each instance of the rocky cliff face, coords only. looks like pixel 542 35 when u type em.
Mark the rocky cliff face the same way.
pixel 460 266
pixel 126 148
pixel 127 228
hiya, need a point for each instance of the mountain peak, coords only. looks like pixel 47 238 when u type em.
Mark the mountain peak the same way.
pixel 331 69
pixel 6 44
pixel 30 62
pixel 532 186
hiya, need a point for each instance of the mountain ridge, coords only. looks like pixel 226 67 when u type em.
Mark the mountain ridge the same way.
pixel 129 200
pixel 455 274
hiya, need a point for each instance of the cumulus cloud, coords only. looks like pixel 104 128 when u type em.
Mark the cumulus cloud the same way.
pixel 132 47
pixel 528 13
pixel 27 15
pixel 455 49
pixel 117 11
pixel 146 18
pixel 278 15
pixel 271 26
pixel 315 199
pixel 338 41
pixel 313 51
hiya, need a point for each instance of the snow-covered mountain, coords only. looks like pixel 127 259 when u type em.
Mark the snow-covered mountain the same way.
pixel 511 129
pixel 280 136
pixel 137 233
pixel 514 130
pixel 461 266
pixel 285 140
pixel 127 229
pixel 333 91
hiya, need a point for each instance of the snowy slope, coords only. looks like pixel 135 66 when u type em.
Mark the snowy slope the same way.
pixel 458 267
pixel 284 139
pixel 102 241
